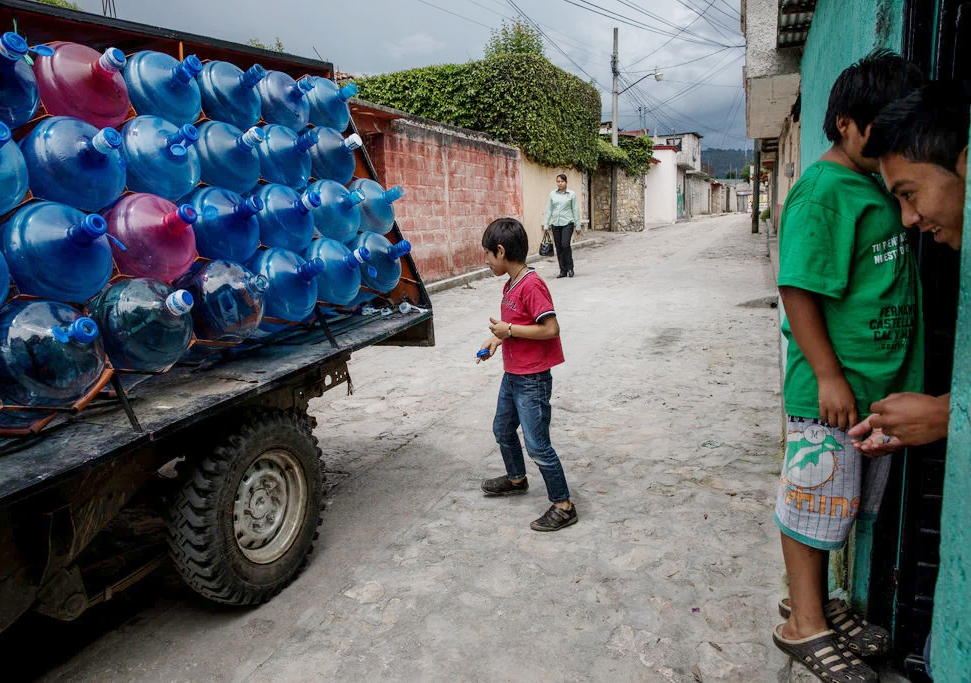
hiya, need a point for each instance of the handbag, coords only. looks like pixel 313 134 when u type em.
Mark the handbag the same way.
pixel 546 246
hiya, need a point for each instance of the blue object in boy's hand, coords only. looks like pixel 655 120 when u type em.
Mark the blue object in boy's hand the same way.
pixel 483 354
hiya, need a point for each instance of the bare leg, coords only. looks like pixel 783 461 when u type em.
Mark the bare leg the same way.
pixel 807 569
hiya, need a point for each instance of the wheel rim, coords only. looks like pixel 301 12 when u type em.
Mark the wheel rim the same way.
pixel 269 508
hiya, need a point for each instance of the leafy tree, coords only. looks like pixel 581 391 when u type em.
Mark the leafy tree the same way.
pixel 516 37
pixel 277 46
pixel 62 3
pixel 746 174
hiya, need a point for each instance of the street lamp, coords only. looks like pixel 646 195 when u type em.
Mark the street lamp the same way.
pixel 658 76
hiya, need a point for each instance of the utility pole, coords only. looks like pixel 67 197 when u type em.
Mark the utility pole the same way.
pixel 613 138
pixel 756 174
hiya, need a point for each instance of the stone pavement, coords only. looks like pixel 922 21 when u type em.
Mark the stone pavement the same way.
pixel 667 418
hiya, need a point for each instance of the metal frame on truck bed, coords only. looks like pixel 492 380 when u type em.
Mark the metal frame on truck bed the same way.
pixel 242 502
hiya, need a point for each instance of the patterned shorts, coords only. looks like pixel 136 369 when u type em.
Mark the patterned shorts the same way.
pixel 826 484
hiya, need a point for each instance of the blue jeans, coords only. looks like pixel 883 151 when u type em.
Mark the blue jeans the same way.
pixel 524 400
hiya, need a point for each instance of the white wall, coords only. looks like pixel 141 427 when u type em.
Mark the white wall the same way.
pixel 661 189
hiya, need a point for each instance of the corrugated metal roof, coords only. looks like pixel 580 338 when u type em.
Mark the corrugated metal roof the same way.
pixel 795 17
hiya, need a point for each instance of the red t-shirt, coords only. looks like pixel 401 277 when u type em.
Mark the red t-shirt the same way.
pixel 527 303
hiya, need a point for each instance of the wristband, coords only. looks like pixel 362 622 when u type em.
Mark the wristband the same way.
pixel 510 330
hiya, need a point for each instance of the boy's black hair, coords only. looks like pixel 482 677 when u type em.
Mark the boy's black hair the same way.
pixel 511 234
pixel 561 176
pixel 928 126
pixel 864 88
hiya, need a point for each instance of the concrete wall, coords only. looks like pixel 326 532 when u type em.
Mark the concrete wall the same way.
pixel 699 200
pixel 842 32
pixel 951 649
pixel 630 201
pixel 661 189
pixel 789 153
pixel 455 185
pixel 538 181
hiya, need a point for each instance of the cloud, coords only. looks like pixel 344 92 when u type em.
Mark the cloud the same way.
pixel 415 44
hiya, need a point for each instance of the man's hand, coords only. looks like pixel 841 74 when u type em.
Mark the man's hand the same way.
pixel 912 419
pixel 874 443
pixel 837 404
pixel 499 328
pixel 492 344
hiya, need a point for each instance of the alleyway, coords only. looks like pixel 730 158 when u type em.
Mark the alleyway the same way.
pixel 667 418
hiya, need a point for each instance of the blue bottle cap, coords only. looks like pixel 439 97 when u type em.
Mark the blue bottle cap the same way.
pixel 93 226
pixel 310 199
pixel 393 194
pixel 348 91
pixel 12 46
pixel 307 140
pixel 252 137
pixel 5 134
pixel 189 68
pixel 179 302
pixel 178 150
pixel 253 75
pixel 356 197
pixel 482 353
pixel 113 59
pixel 362 254
pixel 189 134
pixel 305 85
pixel 249 207
pixel 43 50
pixel 106 140
pixel 311 269
pixel 352 142
pixel 400 249
pixel 187 214
pixel 372 272
pixel 257 284
pixel 83 330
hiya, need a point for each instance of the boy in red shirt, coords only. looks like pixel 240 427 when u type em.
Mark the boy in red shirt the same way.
pixel 530 338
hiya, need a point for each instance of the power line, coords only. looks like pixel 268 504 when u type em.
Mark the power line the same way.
pixel 442 9
pixel 614 16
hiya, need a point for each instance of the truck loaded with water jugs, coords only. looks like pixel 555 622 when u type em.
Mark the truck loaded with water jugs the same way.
pixel 196 242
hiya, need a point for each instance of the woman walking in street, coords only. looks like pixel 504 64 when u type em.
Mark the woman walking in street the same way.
pixel 563 216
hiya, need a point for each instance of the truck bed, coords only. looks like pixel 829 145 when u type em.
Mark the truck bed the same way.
pixel 167 403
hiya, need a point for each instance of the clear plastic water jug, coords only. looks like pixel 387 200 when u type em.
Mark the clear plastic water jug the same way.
pixel 145 325
pixel 57 252
pixel 339 214
pixel 229 300
pixel 377 210
pixel 81 82
pixel 286 221
pixel 284 101
pixel 333 155
pixel 226 227
pixel 157 235
pixel 229 94
pixel 72 162
pixel 285 156
pixel 328 103
pixel 161 85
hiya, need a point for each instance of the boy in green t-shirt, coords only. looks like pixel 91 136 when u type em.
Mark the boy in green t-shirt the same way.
pixel 849 284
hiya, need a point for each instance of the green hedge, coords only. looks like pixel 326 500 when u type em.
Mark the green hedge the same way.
pixel 520 99
pixel 632 154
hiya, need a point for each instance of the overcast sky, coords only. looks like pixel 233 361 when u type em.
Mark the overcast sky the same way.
pixel 378 36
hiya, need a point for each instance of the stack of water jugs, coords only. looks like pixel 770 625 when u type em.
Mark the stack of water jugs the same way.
pixel 170 202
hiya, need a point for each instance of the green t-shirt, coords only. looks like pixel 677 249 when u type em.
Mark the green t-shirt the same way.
pixel 840 237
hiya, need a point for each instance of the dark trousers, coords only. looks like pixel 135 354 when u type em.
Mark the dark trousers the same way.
pixel 562 234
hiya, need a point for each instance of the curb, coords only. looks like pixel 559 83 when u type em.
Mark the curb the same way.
pixel 482 273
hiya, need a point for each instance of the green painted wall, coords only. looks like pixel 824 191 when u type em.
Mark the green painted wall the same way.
pixel 842 32
pixel 951 656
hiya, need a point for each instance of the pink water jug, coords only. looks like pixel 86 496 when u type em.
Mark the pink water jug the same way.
pixel 156 235
pixel 81 82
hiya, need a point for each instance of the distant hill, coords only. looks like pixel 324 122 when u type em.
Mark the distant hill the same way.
pixel 718 163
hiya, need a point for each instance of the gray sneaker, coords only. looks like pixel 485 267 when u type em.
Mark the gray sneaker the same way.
pixel 501 486
pixel 555 519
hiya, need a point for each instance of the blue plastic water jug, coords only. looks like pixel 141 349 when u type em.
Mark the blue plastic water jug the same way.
pixel 57 252
pixel 13 172
pixel 292 291
pixel 286 222
pixel 145 325
pixel 229 157
pixel 161 85
pixel 226 227
pixel 50 355
pixel 19 94
pixel 228 300
pixel 72 162
pixel 384 258
pixel 229 93
pixel 333 155
pixel 340 280
pixel 285 156
pixel 160 156
pixel 377 211
pixel 339 215
pixel 328 103
pixel 284 101
pixel 4 279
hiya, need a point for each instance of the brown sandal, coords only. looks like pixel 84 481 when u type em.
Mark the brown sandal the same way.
pixel 827 657
pixel 862 637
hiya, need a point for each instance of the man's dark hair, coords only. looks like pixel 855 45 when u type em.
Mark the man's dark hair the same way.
pixel 928 126
pixel 864 88
pixel 511 234
pixel 561 176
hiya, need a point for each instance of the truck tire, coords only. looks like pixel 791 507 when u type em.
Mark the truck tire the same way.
pixel 243 524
